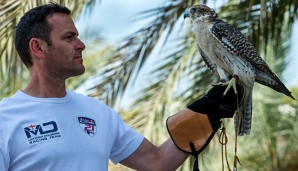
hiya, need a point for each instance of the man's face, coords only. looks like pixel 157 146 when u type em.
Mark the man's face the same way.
pixel 64 55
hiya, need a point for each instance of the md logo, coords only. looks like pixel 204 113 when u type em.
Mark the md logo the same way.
pixel 37 133
pixel 45 128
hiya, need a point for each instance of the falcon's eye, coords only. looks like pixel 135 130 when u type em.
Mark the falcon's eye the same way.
pixel 192 10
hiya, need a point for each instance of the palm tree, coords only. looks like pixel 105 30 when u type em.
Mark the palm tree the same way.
pixel 12 71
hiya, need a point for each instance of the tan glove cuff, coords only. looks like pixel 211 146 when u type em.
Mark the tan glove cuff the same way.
pixel 186 127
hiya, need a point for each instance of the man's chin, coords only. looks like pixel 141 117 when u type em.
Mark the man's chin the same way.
pixel 80 72
pixel 77 72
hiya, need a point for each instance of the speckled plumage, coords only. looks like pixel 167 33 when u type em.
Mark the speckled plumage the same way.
pixel 228 52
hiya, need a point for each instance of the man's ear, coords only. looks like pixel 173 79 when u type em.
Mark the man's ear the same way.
pixel 37 47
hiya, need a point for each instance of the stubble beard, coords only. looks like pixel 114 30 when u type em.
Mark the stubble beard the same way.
pixel 61 66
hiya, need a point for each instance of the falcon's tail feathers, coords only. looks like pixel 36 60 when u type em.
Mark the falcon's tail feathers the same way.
pixel 244 117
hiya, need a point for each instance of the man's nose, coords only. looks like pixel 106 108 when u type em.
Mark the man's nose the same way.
pixel 81 45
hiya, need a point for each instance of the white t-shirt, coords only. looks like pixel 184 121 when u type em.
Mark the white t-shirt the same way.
pixel 73 133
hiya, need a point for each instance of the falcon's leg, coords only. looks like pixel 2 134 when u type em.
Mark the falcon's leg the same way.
pixel 232 83
pixel 223 75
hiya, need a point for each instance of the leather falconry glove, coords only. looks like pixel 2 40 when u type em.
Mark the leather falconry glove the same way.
pixel 193 128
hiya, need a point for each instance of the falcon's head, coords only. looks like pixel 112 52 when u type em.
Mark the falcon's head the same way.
pixel 200 12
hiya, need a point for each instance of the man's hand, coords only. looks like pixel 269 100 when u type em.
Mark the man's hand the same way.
pixel 192 128
pixel 216 105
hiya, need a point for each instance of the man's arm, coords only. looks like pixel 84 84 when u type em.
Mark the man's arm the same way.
pixel 191 129
pixel 149 157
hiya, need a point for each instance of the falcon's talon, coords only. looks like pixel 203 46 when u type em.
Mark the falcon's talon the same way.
pixel 232 83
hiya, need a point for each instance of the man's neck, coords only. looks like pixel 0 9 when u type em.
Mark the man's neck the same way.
pixel 45 91
pixel 45 87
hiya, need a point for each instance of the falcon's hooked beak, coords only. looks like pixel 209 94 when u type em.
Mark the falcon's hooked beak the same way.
pixel 186 14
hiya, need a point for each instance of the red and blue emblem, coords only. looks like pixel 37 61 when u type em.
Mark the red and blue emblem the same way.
pixel 88 125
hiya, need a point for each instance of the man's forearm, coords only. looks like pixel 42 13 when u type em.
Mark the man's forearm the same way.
pixel 148 157
pixel 172 156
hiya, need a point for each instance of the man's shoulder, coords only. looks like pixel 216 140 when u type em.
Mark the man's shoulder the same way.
pixel 8 100
pixel 77 95
pixel 9 103
pixel 79 100
pixel 84 98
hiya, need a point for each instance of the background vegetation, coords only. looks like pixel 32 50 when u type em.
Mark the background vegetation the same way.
pixel 178 75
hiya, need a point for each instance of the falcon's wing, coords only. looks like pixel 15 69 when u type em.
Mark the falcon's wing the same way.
pixel 235 42
pixel 207 61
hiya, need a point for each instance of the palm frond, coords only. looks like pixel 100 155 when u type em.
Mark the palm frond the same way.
pixel 131 55
pixel 262 22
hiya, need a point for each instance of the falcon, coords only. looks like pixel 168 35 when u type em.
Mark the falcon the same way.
pixel 226 51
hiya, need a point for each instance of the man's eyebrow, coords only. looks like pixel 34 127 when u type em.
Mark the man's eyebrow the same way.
pixel 72 33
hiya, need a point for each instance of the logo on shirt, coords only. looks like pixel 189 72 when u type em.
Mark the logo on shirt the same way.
pixel 88 125
pixel 38 133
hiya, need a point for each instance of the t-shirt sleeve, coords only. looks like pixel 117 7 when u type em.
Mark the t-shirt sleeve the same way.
pixel 4 162
pixel 126 139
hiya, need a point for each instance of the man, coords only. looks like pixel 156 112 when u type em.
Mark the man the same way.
pixel 45 127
